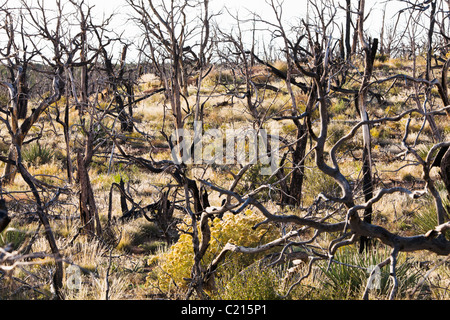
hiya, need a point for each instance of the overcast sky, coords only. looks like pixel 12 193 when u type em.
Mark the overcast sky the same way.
pixel 292 11
pixel 291 8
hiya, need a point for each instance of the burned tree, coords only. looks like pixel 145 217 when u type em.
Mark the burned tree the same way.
pixel 17 57
pixel 370 51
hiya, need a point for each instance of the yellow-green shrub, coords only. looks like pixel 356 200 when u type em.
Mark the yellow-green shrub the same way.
pixel 176 264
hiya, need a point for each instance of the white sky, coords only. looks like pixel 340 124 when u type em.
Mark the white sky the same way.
pixel 292 11
pixel 291 8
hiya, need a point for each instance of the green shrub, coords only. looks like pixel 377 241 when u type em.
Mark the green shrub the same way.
pixel 253 179
pixel 4 99
pixel 382 57
pixel 37 154
pixel 317 182
pixel 381 133
pixel 339 107
pixel 253 283
pixel 335 133
pixel 12 237
pixel 348 279
pixel 175 265
pixel 219 77
pixel 425 218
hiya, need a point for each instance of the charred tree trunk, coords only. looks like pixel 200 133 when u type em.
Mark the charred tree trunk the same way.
pixel 10 171
pixel 59 272
pixel 131 102
pixel 4 219
pixel 88 208
pixel 126 124
pixel 298 159
pixel 348 25
pixel 22 94
pixel 296 183
pixel 430 40
pixel 66 129
pixel 445 174
pixel 370 50
pixel 84 74
pixel 367 151
pixel 123 199
pixel 19 133
pixel 367 191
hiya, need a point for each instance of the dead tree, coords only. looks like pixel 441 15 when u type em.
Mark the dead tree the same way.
pixel 17 137
pixel 84 14
pixel 4 219
pixel 20 131
pixel 351 228
pixel 18 56
pixel 370 50
pixel 240 60
pixel 159 23
pixel 88 209
pixel 17 84
pixel 166 31
pixel 116 80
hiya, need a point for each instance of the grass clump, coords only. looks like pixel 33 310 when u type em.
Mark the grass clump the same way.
pixel 426 218
pixel 13 237
pixel 253 283
pixel 36 154
pixel 348 277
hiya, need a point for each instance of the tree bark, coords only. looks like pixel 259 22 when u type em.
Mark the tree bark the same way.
pixel 370 50
pixel 22 93
pixel 59 272
pixel 19 133
pixel 348 24
pixel 88 208
pixel 4 219
pixel 445 174
pixel 298 160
